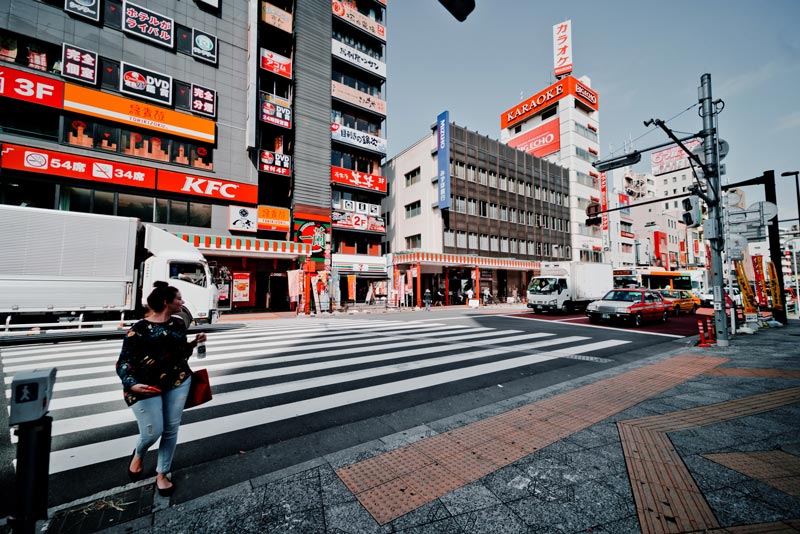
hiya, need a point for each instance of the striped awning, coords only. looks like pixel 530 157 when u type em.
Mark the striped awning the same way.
pixel 461 260
pixel 249 247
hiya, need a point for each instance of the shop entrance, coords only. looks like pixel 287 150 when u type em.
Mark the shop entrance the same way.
pixel 278 295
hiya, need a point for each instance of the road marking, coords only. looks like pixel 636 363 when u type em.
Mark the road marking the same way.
pixel 598 326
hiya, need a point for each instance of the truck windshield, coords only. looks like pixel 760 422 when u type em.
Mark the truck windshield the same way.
pixel 192 272
pixel 543 286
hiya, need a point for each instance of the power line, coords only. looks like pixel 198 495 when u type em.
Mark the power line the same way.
pixel 648 132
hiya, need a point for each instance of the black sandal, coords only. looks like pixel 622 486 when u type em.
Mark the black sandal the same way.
pixel 134 475
pixel 165 492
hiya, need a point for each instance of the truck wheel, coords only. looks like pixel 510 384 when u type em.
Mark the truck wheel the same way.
pixel 186 316
pixel 638 320
pixel 566 308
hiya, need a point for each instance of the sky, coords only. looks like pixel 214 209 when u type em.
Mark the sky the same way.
pixel 645 59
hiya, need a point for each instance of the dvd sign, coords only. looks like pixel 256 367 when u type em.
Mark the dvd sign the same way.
pixel 274 163
pixel 145 83
pixel 273 112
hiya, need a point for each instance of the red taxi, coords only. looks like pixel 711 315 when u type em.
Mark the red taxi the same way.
pixel 633 305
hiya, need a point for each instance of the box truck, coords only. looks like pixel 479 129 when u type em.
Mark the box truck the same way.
pixel 569 286
pixel 56 264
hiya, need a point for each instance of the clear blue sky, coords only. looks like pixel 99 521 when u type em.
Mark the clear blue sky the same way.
pixel 644 58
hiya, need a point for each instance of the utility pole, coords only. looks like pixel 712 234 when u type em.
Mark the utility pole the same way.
pixel 716 237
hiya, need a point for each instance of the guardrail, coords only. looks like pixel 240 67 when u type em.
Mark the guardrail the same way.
pixel 64 326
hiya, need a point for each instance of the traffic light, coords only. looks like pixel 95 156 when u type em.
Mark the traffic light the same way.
pixel 692 213
pixel 460 9
pixel 593 217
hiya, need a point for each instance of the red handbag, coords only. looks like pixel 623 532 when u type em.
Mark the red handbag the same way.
pixel 199 390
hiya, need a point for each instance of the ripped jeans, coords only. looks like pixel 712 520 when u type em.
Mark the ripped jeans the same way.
pixel 160 416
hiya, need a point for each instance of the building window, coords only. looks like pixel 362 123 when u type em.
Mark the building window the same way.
pixel 473 241
pixel 472 206
pixel 413 209
pixel 461 239
pixel 585 155
pixel 492 179
pixel 459 169
pixel 470 173
pixel 483 207
pixel 461 205
pixel 512 215
pixel 449 238
pixel 504 244
pixel 412 177
pixel 494 243
pixel 503 186
pixel 537 192
pixel 493 211
pixel 503 213
pixel 484 242
pixel 482 177
pixel 413 241
pixel 586 132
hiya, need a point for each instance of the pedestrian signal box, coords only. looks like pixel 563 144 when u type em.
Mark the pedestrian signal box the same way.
pixel 31 392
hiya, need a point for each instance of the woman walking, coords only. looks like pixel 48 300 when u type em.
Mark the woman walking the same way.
pixel 153 366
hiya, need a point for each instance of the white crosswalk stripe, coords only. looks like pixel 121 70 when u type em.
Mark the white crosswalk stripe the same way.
pixel 293 368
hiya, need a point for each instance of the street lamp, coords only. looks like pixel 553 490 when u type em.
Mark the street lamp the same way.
pixel 796 189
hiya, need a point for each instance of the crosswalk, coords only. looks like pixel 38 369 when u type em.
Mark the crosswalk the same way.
pixel 269 373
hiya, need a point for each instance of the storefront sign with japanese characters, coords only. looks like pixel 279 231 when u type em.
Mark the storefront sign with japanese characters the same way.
pixel 361 180
pixel 357 221
pixel 79 64
pixel 274 110
pixel 242 218
pixel 274 219
pixel 275 16
pixel 357 98
pixel 354 137
pixel 52 163
pixel 204 46
pixel 275 163
pixel 148 24
pixel 282 66
pixel 359 59
pixel 204 101
pixel 30 87
pixel 144 83
pixel 354 17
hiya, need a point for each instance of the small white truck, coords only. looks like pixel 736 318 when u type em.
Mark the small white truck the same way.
pixel 569 286
pixel 56 264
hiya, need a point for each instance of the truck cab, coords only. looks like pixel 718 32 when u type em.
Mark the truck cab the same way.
pixel 184 267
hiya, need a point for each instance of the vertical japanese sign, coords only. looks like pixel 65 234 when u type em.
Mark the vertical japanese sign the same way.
pixel 758 269
pixel 78 64
pixel 604 200
pixel 148 24
pixel 562 48
pixel 443 158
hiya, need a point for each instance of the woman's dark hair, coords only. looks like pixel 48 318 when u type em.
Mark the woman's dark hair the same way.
pixel 162 293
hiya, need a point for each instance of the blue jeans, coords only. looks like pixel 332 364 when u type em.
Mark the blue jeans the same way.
pixel 160 416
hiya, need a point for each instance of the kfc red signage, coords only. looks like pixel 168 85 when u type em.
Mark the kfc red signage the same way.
pixel 201 186
pixel 30 87
pixel 540 141
pixel 52 163
pixel 361 180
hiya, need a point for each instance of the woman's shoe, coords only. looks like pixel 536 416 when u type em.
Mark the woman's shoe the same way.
pixel 165 492
pixel 134 475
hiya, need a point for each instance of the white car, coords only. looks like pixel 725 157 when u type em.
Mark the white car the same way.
pixel 707 299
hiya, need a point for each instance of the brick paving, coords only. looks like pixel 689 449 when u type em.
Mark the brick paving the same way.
pixel 455 458
pixel 779 469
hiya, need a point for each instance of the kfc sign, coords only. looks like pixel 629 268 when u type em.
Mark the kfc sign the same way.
pixel 200 186
pixel 361 180
pixel 52 163
pixel 31 87
pixel 540 141
pixel 275 163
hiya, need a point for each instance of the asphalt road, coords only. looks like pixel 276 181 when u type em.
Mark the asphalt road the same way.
pixel 291 390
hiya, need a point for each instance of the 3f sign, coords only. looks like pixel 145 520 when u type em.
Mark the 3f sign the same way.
pixel 33 89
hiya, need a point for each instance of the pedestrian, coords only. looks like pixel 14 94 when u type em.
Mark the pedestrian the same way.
pixel 470 294
pixel 427 299
pixel 153 366
pixel 439 298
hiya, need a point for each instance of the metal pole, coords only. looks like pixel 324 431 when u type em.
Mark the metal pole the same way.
pixel 728 266
pixel 714 208
pixel 779 313
pixel 796 288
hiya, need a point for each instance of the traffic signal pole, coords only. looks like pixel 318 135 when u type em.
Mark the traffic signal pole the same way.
pixel 716 238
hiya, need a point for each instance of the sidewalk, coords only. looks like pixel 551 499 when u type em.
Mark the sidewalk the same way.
pixel 696 440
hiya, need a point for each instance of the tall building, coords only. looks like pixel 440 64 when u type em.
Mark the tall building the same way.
pixel 560 124
pixel 468 212
pixel 224 122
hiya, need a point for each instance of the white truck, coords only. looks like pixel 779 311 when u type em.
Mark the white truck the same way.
pixel 569 286
pixel 56 264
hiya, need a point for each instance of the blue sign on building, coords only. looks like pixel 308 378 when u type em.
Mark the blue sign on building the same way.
pixel 443 156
